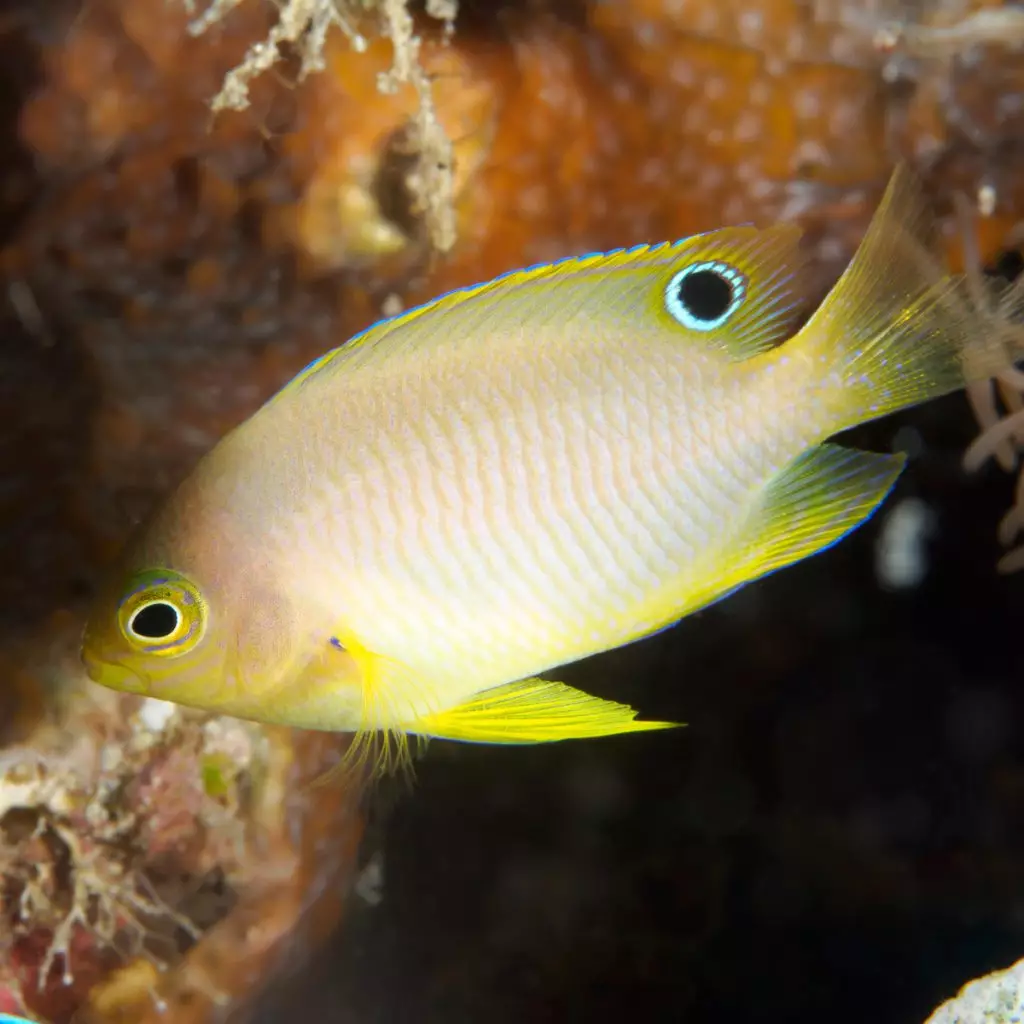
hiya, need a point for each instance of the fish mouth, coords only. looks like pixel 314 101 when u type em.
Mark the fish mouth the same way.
pixel 115 675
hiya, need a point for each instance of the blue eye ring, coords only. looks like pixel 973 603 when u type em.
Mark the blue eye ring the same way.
pixel 727 287
pixel 167 594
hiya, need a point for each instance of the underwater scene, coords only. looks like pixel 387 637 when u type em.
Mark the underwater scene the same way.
pixel 511 511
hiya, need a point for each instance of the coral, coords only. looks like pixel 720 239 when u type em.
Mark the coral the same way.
pixel 306 23
pixel 1002 438
pixel 131 828
pixel 998 998
pixel 1002 429
pixel 359 148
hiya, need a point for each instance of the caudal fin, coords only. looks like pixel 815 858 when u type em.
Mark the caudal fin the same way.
pixel 896 327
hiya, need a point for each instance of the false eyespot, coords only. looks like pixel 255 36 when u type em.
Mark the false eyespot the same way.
pixel 705 295
pixel 162 613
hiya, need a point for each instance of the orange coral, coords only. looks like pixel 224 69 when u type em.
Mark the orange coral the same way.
pixel 349 146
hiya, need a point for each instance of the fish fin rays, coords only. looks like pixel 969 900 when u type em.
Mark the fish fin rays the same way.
pixel 770 259
pixel 817 500
pixel 773 265
pixel 379 746
pixel 532 711
pixel 390 336
pixel 896 326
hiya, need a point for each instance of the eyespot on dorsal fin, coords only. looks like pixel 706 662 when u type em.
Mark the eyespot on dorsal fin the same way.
pixel 742 289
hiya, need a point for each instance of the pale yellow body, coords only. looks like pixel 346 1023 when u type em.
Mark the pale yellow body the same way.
pixel 481 514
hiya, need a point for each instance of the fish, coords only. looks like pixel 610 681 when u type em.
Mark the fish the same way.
pixel 414 532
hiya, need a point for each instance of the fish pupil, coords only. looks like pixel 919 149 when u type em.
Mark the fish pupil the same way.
pixel 155 621
pixel 705 294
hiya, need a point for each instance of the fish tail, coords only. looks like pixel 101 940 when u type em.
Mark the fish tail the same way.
pixel 897 330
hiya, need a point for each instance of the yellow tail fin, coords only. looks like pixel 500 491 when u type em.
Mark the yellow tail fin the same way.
pixel 896 327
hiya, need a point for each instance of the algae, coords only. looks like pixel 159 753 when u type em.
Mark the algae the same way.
pixel 303 25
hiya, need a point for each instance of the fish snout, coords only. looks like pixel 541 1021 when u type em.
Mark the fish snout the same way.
pixel 112 674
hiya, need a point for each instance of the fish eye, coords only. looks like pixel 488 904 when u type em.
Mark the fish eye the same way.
pixel 155 621
pixel 162 613
pixel 705 295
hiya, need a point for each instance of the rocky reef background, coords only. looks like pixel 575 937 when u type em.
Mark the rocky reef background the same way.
pixel 190 214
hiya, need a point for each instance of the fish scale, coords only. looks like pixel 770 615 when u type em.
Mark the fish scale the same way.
pixel 575 572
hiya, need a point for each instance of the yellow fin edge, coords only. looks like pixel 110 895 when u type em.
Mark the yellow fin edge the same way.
pixel 532 711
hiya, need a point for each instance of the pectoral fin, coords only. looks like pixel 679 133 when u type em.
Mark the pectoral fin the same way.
pixel 531 711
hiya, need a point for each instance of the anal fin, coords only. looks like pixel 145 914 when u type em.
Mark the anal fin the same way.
pixel 817 500
pixel 531 711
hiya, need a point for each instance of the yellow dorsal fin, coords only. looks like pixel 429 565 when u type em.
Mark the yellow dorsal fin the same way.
pixel 769 261
pixel 532 711
pixel 389 336
pixel 769 267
